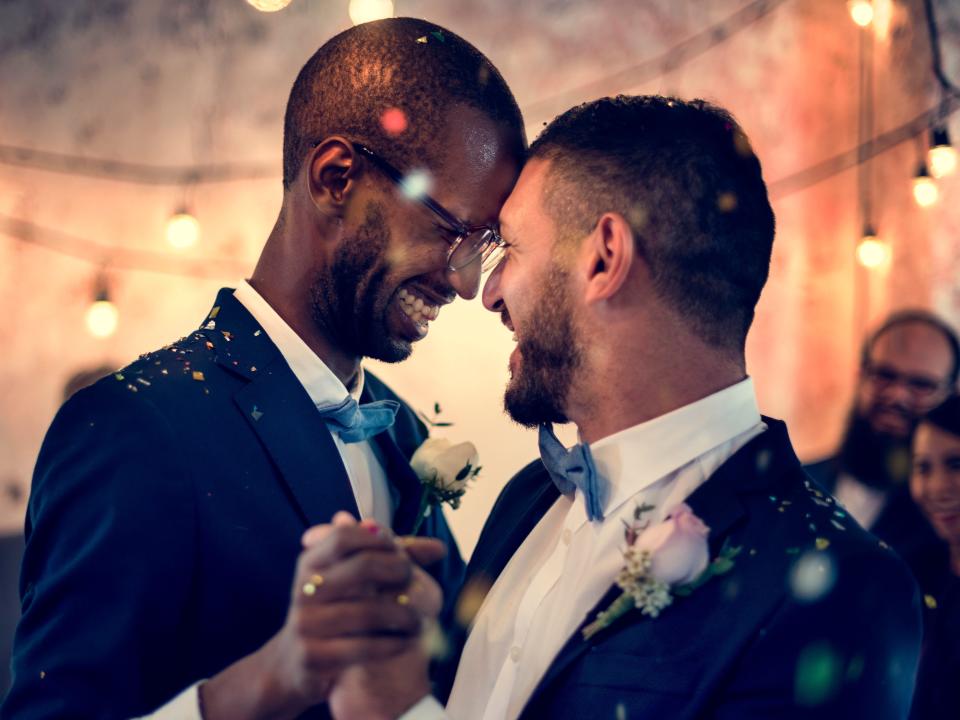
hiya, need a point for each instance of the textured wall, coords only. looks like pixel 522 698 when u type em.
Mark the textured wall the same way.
pixel 172 82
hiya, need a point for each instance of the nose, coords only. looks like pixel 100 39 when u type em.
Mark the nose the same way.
pixel 466 280
pixel 492 299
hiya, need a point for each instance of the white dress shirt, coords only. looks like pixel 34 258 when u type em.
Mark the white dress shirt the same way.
pixel 566 564
pixel 367 476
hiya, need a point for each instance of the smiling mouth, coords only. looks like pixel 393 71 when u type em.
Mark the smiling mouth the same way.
pixel 417 307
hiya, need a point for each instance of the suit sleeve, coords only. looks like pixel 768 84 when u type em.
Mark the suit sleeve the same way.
pixel 851 654
pixel 107 565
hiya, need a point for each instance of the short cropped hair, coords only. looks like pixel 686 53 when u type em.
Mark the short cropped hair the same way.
pixel 411 65
pixel 684 176
pixel 915 316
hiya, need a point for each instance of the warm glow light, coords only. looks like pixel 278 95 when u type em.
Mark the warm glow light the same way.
pixel 925 190
pixel 861 11
pixel 872 253
pixel 362 11
pixel 943 160
pixel 101 318
pixel 269 5
pixel 183 230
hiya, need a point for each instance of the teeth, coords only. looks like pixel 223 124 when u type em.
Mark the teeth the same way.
pixel 416 308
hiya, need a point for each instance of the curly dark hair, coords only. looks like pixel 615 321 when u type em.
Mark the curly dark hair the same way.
pixel 404 63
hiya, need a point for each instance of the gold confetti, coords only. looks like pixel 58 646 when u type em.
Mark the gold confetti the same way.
pixel 197 375
pixel 930 601
pixel 209 345
pixel 422 40
pixel 214 312
pixel 822 543
pixel 118 376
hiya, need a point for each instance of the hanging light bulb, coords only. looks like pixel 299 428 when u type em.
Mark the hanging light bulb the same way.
pixel 942 156
pixel 183 229
pixel 861 11
pixel 872 252
pixel 102 316
pixel 362 11
pixel 925 190
pixel 269 5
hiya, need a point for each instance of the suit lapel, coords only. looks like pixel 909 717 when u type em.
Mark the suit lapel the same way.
pixel 717 503
pixel 280 412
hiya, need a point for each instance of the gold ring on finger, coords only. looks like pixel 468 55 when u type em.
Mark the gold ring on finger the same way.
pixel 310 587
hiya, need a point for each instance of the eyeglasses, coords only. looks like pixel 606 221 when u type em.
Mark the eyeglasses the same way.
pixel 471 242
pixel 884 376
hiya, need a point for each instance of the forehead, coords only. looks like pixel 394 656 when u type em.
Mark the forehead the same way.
pixel 479 165
pixel 931 439
pixel 524 208
pixel 914 347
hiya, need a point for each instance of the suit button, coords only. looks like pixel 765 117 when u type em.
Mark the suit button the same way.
pixel 515 653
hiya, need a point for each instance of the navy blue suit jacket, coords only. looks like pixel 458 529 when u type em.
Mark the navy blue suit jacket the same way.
pixel 743 645
pixel 165 518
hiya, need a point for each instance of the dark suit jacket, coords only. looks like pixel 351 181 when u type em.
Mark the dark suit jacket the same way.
pixel 165 519
pixel 744 645
pixel 900 524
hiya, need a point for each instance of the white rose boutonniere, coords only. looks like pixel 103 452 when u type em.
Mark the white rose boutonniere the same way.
pixel 444 469
pixel 662 561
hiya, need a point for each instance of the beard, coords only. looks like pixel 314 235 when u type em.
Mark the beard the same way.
pixel 550 355
pixel 350 299
pixel 879 460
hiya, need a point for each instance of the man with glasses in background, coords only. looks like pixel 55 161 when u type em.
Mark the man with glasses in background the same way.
pixel 170 499
pixel 908 366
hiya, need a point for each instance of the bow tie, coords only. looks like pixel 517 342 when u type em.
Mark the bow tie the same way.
pixel 573 469
pixel 355 423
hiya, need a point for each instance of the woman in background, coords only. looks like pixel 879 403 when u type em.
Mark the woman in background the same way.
pixel 935 486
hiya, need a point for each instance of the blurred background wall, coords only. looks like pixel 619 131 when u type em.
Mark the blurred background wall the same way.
pixel 114 114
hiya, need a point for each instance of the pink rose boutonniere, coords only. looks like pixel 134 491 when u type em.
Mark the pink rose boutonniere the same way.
pixel 669 559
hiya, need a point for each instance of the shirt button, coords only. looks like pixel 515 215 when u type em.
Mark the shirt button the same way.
pixel 567 536
pixel 515 653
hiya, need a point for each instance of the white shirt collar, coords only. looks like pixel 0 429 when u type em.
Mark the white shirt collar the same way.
pixel 633 459
pixel 318 380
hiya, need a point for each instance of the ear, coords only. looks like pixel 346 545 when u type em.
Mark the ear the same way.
pixel 610 253
pixel 332 172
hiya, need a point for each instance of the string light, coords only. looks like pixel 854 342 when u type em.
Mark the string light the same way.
pixel 942 156
pixel 872 252
pixel 183 230
pixel 269 5
pixel 925 190
pixel 363 11
pixel 861 11
pixel 102 315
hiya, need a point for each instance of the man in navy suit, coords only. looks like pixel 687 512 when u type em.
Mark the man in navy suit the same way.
pixel 638 240
pixel 169 499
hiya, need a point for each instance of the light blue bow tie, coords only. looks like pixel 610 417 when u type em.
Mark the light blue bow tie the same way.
pixel 573 468
pixel 355 423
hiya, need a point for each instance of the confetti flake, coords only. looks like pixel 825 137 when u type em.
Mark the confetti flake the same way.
pixel 142 381
pixel 226 335
pixel 884 545
pixel 210 326
pixel 131 387
pixel 753 551
pixel 257 333
pixel 43 674
pixel 209 345
pixel 793 551
pixel 214 312
pixel 822 543
pixel 164 372
pixel 197 375
pixel 256 414
pixel 118 376
pixel 253 368
pixel 930 601
pixel 837 525
pixel 438 34
pixel 422 40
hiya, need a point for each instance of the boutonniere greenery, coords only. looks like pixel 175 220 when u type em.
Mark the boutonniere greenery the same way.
pixel 662 561
pixel 444 469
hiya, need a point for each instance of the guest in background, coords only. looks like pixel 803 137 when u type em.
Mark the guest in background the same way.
pixel 935 486
pixel 908 366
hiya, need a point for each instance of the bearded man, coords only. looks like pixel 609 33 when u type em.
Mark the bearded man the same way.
pixel 169 499
pixel 676 563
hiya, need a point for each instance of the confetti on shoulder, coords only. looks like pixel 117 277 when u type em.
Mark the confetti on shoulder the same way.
pixel 197 375
pixel 257 333
pixel 422 40
pixel 118 376
pixel 438 34
pixel 214 313
pixel 256 413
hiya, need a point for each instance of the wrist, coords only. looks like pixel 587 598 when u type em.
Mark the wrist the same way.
pixel 252 688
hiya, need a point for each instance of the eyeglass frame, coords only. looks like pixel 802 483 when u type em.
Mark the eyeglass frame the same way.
pixel 919 386
pixel 463 229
